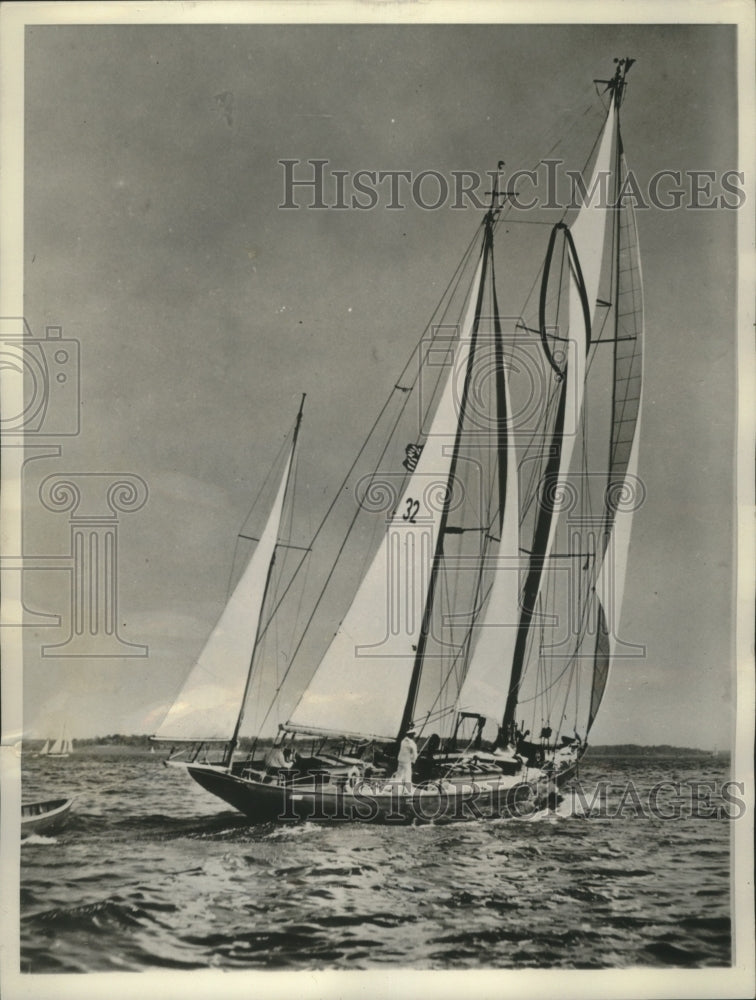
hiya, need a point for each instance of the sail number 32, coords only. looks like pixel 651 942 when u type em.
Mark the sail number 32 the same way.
pixel 413 506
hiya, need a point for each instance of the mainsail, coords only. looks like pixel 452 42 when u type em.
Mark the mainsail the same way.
pixel 208 706
pixel 585 240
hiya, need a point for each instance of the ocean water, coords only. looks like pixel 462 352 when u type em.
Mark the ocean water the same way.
pixel 151 872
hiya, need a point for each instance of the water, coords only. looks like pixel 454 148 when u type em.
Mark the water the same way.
pixel 153 873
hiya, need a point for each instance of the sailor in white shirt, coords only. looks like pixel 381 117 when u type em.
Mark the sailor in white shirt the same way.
pixel 407 757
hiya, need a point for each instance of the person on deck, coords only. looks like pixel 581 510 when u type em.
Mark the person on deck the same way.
pixel 407 757
pixel 277 759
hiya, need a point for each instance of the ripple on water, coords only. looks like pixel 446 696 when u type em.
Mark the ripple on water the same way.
pixel 162 877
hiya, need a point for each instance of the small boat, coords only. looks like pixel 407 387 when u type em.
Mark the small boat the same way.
pixel 47 816
pixel 480 615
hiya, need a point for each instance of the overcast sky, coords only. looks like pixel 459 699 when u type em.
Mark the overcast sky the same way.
pixel 153 236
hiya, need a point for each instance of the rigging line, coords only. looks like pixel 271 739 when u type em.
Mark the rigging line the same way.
pixel 439 327
pixel 247 516
pixel 559 142
pixel 563 714
pixel 587 503
pixel 451 284
pixel 553 683
pixel 531 222
pixel 385 406
pixel 536 471
pixel 349 472
pixel 449 672
pixel 526 663
pixel 338 494
pixel 431 716
pixel 333 566
pixel 501 408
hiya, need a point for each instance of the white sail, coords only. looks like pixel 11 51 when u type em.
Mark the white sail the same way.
pixel 628 375
pixel 208 704
pixel 45 749
pixel 362 682
pixel 589 237
pixel 589 228
pixel 610 583
pixel 487 681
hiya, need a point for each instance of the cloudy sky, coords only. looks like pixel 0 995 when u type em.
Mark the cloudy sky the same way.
pixel 153 236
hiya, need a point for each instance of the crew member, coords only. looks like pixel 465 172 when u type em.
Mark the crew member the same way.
pixel 407 757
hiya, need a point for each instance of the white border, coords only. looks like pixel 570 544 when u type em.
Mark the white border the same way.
pixel 619 983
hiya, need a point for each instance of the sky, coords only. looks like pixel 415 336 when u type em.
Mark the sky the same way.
pixel 154 237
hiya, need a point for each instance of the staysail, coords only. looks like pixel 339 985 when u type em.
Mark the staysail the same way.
pixel 207 708
pixel 362 682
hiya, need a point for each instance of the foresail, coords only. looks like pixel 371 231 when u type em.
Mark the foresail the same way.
pixel 362 682
pixel 209 703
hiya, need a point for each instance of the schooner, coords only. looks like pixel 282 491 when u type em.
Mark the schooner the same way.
pixel 484 618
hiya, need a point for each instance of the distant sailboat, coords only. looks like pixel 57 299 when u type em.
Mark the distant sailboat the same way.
pixel 61 747
pixel 484 620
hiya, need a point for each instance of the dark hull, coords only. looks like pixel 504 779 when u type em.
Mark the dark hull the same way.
pixel 463 800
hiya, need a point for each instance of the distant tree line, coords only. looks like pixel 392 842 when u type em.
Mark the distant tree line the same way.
pixel 608 750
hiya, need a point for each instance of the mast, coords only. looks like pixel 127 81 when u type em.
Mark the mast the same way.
pixel 235 736
pixel 583 240
pixel 617 86
pixel 626 411
pixel 417 668
pixel 537 563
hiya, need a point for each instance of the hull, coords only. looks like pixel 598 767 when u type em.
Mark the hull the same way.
pixel 456 800
pixel 44 817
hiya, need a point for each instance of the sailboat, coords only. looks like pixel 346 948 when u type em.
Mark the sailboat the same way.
pixel 475 634
pixel 61 747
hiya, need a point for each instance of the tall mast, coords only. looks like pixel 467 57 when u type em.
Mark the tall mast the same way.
pixel 544 528
pixel 535 572
pixel 417 669
pixel 235 737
